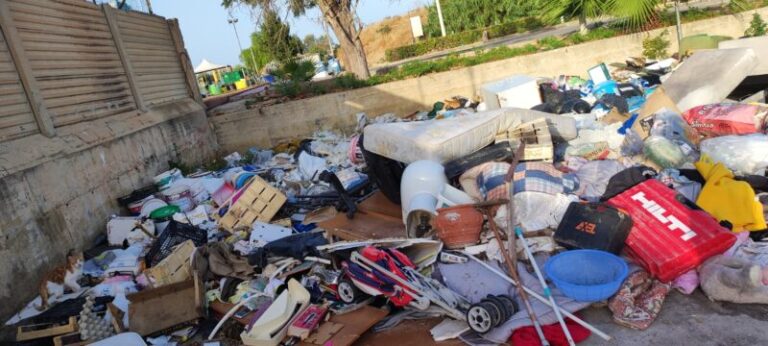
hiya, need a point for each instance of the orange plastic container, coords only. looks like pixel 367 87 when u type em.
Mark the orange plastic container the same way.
pixel 459 226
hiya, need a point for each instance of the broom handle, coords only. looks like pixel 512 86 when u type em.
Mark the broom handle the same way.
pixel 547 291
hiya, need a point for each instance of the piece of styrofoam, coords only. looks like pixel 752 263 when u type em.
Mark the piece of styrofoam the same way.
pixel 709 76
pixel 516 91
pixel 448 139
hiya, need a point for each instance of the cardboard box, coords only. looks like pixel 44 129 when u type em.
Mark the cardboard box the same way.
pixel 156 309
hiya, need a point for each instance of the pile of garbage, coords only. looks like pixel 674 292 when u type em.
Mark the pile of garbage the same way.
pixel 503 218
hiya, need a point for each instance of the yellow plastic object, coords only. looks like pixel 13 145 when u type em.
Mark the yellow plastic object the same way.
pixel 241 84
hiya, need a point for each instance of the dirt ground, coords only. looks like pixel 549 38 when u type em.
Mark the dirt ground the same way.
pixel 684 320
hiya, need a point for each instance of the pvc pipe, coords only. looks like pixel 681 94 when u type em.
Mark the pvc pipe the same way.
pixel 533 293
pixel 547 292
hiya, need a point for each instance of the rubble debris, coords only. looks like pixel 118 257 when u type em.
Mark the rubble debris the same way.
pixel 455 223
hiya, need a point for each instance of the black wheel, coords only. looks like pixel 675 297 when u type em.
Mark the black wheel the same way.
pixel 509 304
pixel 480 317
pixel 347 291
pixel 504 314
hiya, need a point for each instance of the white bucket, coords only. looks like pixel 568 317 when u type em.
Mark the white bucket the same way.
pixel 180 196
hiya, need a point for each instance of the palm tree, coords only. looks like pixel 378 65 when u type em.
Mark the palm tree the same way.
pixel 581 9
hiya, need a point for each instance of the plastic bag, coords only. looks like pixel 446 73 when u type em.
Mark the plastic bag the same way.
pixel 741 154
pixel 727 119
pixel 664 152
pixel 672 126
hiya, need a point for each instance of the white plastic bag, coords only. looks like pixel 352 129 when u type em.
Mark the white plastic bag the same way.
pixel 742 154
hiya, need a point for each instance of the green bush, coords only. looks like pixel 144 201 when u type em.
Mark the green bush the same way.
pixel 757 27
pixel 656 47
pixel 462 38
pixel 550 43
pixel 349 81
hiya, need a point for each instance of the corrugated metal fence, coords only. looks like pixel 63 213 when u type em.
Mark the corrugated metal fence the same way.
pixel 63 62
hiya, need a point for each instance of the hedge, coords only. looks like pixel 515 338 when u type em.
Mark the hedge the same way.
pixel 462 38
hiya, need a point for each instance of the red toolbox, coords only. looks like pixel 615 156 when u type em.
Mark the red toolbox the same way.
pixel 670 235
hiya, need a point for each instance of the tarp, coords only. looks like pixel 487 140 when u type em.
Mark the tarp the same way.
pixel 206 66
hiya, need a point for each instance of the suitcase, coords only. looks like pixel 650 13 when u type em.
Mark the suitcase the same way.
pixel 671 235
pixel 595 226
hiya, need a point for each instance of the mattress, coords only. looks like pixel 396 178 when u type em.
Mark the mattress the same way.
pixel 448 139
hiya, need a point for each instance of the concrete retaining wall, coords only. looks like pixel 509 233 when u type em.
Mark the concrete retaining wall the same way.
pixel 58 193
pixel 269 125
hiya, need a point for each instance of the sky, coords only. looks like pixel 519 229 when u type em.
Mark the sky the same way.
pixel 207 33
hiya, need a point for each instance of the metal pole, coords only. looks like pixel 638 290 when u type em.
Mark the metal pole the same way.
pixel 149 6
pixel 234 21
pixel 440 17
pixel 679 26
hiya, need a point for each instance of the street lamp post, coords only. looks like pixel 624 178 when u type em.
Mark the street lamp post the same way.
pixel 440 17
pixel 234 21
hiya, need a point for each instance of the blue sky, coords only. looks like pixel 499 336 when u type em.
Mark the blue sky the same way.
pixel 207 34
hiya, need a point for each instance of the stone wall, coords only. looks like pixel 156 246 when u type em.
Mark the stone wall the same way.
pixel 58 193
pixel 269 125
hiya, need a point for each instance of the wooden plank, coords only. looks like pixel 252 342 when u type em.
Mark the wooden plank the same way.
pixel 160 76
pixel 24 20
pixel 32 27
pixel 28 82
pixel 9 89
pixel 15 116
pixel 50 38
pixel 46 74
pixel 64 5
pixel 160 37
pixel 102 96
pixel 54 63
pixel 165 95
pixel 84 90
pixel 142 17
pixel 14 132
pixel 111 15
pixel 86 114
pixel 138 47
pixel 50 11
pixel 169 53
pixel 146 40
pixel 79 56
pixel 156 59
pixel 163 82
pixel 68 48
pixel 14 99
pixel 11 77
pixel 186 64
pixel 159 28
pixel 164 91
pixel 83 80
pixel 157 65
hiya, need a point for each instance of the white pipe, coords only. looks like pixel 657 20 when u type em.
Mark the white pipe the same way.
pixel 533 293
pixel 544 285
pixel 440 17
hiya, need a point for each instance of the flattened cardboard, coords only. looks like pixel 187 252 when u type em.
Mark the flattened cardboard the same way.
pixel 354 325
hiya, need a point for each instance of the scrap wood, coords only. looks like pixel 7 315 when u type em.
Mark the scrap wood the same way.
pixel 353 325
pixel 37 331
pixel 71 339
pixel 258 202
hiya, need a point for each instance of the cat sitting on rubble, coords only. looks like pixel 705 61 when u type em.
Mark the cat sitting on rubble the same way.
pixel 62 278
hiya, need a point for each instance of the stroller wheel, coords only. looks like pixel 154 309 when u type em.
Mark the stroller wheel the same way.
pixel 481 316
pixel 504 314
pixel 509 304
pixel 347 291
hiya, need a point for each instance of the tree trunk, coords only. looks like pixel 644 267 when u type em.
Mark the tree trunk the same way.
pixel 583 29
pixel 339 15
